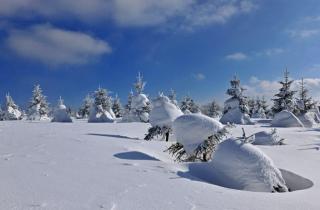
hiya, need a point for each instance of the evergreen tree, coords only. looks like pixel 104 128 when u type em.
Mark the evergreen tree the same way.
pixel 284 99
pixel 173 97
pixel 214 109
pixel 140 84
pixel 128 105
pixel 84 111
pixel 251 106
pixel 38 107
pixel 304 102
pixel 116 107
pixel 188 105
pixel 102 100
pixel 10 102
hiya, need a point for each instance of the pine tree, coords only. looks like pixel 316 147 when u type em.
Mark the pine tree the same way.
pixel 214 109
pixel 127 107
pixel 140 84
pixel 188 105
pixel 84 111
pixel 284 99
pixel 173 97
pixel 116 107
pixel 251 106
pixel 38 107
pixel 102 100
pixel 10 102
pixel 304 103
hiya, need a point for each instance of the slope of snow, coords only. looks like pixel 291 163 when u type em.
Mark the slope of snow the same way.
pixel 286 119
pixel 84 165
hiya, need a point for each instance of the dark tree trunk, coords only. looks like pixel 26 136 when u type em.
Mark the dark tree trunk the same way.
pixel 167 136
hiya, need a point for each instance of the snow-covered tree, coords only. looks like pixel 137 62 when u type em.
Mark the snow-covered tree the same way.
pixel 236 107
pixel 189 106
pixel 139 106
pixel 284 99
pixel 84 110
pixel 101 110
pixel 11 110
pixel 251 106
pixel 259 110
pixel 116 107
pixel 38 107
pixel 61 113
pixel 304 103
pixel 173 97
pixel 212 109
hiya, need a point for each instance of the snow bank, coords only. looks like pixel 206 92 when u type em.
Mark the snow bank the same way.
pixel 192 129
pixel 266 138
pixel 163 112
pixel 286 119
pixel 61 114
pixel 241 166
pixel 309 119
pixel 236 116
pixel 98 115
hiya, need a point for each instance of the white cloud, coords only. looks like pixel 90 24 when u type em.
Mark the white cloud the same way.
pixel 199 76
pixel 54 46
pixel 185 14
pixel 238 56
pixel 303 33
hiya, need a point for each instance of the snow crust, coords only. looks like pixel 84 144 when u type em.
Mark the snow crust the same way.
pixel 241 166
pixel 163 112
pixel 192 129
pixel 286 119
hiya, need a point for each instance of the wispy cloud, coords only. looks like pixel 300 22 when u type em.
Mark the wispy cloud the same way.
pixel 303 33
pixel 238 56
pixel 199 76
pixel 55 46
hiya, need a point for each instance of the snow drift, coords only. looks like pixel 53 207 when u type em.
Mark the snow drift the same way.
pixel 309 119
pixel 241 166
pixel 286 119
pixel 267 138
pixel 192 129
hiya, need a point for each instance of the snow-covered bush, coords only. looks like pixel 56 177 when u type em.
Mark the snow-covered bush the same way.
pixel 162 115
pixel 241 166
pixel 286 119
pixel 60 113
pixel 267 138
pixel 197 136
pixel 10 110
pixel 139 106
pixel 189 106
pixel 38 108
pixel 84 111
pixel 260 109
pixel 235 108
pixel 101 110
pixel 212 109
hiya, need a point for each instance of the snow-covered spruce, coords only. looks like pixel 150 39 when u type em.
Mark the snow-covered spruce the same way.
pixel 60 113
pixel 260 109
pixel 236 108
pixel 267 138
pixel 162 115
pixel 173 97
pixel 197 136
pixel 84 111
pixel 139 106
pixel 10 110
pixel 38 108
pixel 116 107
pixel 101 108
pixel 286 119
pixel 189 106
pixel 241 166
pixel 212 109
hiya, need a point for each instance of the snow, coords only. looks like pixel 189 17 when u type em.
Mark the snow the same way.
pixel 286 119
pixel 241 166
pixel 309 119
pixel 98 115
pixel 192 129
pixel 266 138
pixel 163 112
pixel 60 114
pixel 235 115
pixel 138 104
pixel 11 114
pixel 84 165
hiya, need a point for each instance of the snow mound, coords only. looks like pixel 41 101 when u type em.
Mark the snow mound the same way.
pixel 309 119
pixel 163 112
pixel 266 138
pixel 241 166
pixel 138 112
pixel 192 129
pixel 235 115
pixel 61 114
pixel 100 116
pixel 286 119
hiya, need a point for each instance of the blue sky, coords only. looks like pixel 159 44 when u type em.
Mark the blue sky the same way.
pixel 71 47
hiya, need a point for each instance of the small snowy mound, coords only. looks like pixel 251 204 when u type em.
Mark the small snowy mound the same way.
pixel 241 166
pixel 163 112
pixel 286 119
pixel 98 115
pixel 266 138
pixel 61 114
pixel 309 119
pixel 236 116
pixel 11 114
pixel 192 129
